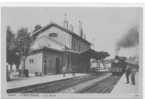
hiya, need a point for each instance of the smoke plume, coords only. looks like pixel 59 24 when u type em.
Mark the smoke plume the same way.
pixel 131 39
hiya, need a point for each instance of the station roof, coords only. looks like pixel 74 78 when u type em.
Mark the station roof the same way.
pixel 34 34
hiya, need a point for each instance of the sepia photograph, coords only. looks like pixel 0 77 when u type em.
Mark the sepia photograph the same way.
pixel 72 50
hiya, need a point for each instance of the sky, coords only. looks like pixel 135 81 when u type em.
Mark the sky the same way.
pixel 103 26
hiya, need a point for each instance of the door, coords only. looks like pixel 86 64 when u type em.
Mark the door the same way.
pixel 57 65
pixel 48 67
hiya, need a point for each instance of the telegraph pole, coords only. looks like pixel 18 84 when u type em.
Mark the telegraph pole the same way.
pixel 22 54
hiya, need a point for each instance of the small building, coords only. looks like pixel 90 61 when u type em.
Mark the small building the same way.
pixel 56 50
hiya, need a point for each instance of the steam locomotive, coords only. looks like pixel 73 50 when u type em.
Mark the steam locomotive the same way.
pixel 118 66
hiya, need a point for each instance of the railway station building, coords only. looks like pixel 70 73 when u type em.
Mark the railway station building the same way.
pixel 56 50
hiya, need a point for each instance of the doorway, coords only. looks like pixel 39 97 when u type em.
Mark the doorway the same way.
pixel 57 65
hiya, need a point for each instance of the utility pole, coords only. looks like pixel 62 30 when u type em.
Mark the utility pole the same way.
pixel 80 29
pixel 23 55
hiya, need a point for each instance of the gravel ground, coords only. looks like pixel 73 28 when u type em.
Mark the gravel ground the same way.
pixel 104 86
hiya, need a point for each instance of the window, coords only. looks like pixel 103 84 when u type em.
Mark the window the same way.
pixel 31 61
pixel 53 35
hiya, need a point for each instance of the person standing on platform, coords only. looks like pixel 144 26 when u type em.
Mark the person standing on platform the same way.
pixel 131 72
pixel 127 73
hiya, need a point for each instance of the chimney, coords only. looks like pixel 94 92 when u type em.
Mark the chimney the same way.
pixel 37 27
pixel 65 24
pixel 80 29
pixel 71 28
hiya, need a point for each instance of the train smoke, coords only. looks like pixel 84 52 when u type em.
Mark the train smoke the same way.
pixel 131 39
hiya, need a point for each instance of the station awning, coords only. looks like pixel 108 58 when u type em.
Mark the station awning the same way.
pixel 91 53
pixel 94 54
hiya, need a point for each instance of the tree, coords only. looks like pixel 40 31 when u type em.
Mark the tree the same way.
pixel 10 39
pixel 11 47
pixel 17 45
pixel 23 41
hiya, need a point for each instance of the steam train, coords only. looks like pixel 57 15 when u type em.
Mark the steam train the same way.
pixel 118 66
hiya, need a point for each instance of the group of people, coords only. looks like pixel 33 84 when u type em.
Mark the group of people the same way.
pixel 130 70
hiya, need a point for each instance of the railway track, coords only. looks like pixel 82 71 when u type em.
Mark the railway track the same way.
pixel 54 87
pixel 104 86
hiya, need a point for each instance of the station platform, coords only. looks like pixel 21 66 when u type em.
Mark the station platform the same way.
pixel 123 88
pixel 39 80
